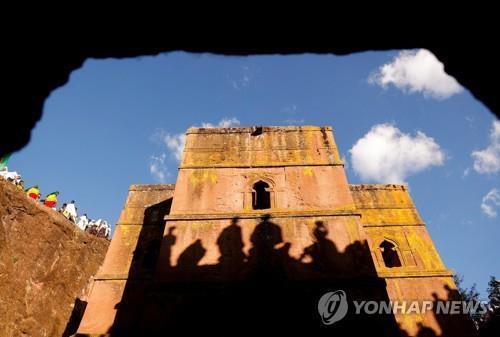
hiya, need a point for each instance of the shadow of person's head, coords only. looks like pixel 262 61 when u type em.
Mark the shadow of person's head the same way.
pixel 320 232
pixel 265 217
pixel 234 221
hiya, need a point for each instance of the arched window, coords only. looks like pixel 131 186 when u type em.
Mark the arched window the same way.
pixel 261 196
pixel 390 254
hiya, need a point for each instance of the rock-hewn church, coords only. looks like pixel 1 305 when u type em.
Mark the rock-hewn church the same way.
pixel 259 225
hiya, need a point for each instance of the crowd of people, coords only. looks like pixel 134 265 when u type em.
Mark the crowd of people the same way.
pixel 69 210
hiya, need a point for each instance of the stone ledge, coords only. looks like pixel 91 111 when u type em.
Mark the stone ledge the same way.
pixel 147 224
pixel 385 207
pixel 384 274
pixel 415 273
pixel 391 224
pixel 236 165
pixel 287 214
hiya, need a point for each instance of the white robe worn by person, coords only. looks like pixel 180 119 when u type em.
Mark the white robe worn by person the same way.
pixel 107 230
pixel 71 211
pixel 83 222
pixel 91 225
pixel 10 175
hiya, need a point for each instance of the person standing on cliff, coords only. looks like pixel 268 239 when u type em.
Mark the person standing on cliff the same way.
pixel 62 208
pixel 83 222
pixel 70 211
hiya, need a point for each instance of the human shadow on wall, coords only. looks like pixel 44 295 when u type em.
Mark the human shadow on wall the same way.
pixel 191 256
pixel 230 243
pixel 265 261
pixel 264 290
pixel 458 324
pixel 323 252
pixel 450 324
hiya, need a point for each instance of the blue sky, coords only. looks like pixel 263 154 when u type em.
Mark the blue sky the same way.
pixel 119 122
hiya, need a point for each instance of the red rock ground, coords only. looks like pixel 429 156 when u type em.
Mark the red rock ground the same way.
pixel 46 264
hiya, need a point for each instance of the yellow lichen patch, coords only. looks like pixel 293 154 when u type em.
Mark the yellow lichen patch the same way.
pixel 352 229
pixel 274 146
pixel 129 235
pixel 248 207
pixel 308 171
pixel 449 281
pixel 125 233
pixel 404 216
pixel 381 196
pixel 202 176
pixel 425 249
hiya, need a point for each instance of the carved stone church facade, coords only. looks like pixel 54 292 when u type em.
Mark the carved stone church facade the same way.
pixel 268 210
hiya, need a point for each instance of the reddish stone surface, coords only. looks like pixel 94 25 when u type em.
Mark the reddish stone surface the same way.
pixel 131 255
pixel 46 264
pixel 215 257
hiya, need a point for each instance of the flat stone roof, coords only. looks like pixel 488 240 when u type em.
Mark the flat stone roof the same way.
pixel 364 187
pixel 151 187
pixel 264 129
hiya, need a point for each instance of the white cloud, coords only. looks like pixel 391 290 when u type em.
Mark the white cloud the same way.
pixel 387 155
pixel 223 123
pixel 490 202
pixel 294 121
pixel 157 167
pixel 242 79
pixel 488 160
pixel 229 123
pixel 417 71
pixel 175 142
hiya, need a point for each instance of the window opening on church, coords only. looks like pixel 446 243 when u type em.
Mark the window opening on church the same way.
pixel 261 196
pixel 390 254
